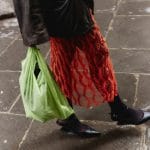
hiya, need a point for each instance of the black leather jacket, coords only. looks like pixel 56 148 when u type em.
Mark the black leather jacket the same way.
pixel 40 19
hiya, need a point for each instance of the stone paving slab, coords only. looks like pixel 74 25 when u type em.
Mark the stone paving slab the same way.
pixel 131 61
pixel 10 60
pixel 9 31
pixel 12 129
pixel 127 87
pixel 18 107
pixel 143 92
pixel 103 19
pixel 134 7
pixel 9 89
pixel 105 6
pixel 96 113
pixel 4 43
pixel 148 138
pixel 9 28
pixel 130 32
pixel 49 137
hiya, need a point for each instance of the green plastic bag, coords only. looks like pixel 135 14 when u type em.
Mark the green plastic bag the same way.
pixel 42 97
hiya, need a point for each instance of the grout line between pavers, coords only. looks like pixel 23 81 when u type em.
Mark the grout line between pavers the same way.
pixel 14 103
pixel 25 135
pixel 6 48
pixel 114 16
pixel 13 114
pixel 133 73
pixel 97 11
pixel 133 15
pixel 134 49
pixel 11 71
pixel 137 76
pixel 47 54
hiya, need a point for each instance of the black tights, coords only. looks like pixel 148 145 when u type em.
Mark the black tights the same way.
pixel 117 105
pixel 69 101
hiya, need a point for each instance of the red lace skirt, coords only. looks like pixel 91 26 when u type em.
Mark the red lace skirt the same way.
pixel 83 69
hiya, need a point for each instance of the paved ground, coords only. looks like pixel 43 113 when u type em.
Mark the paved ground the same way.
pixel 6 9
pixel 126 26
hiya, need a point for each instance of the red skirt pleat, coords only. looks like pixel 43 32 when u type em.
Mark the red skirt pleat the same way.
pixel 83 69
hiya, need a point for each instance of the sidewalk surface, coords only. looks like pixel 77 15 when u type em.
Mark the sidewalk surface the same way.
pixel 126 27
pixel 6 9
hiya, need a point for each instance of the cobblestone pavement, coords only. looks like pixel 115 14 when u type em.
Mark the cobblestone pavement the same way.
pixel 126 27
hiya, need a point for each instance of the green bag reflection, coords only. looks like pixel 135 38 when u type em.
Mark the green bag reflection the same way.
pixel 42 97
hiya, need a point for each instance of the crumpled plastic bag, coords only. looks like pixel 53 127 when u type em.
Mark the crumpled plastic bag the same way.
pixel 42 98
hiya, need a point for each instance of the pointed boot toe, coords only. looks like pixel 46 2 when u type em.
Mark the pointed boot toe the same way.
pixel 82 130
pixel 146 117
pixel 87 131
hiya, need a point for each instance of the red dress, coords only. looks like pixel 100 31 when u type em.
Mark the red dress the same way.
pixel 83 69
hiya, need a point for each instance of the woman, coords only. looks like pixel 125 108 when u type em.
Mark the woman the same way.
pixel 79 57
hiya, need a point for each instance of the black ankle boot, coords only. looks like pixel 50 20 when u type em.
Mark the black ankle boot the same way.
pixel 125 115
pixel 72 125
